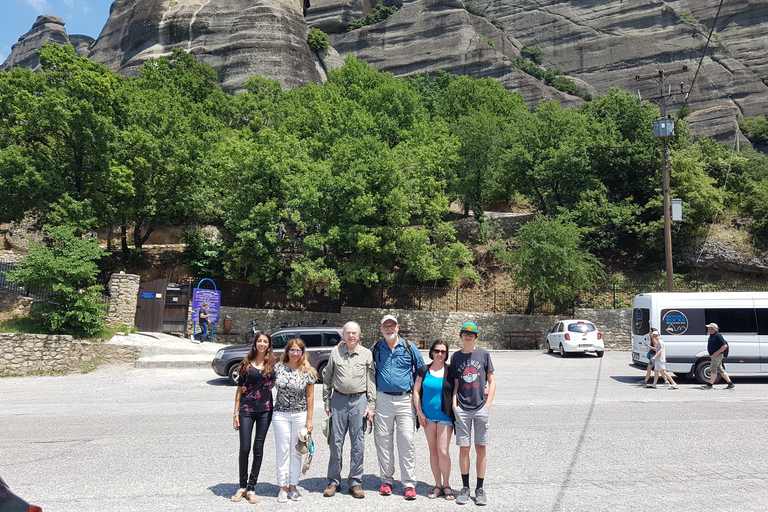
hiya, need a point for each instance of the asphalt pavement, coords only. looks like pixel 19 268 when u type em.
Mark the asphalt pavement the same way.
pixel 567 435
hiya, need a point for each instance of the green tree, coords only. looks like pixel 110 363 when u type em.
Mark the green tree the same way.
pixel 317 39
pixel 66 264
pixel 552 262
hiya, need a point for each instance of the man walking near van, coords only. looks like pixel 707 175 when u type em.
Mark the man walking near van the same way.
pixel 717 346
pixel 349 395
pixel 204 321
pixel 396 362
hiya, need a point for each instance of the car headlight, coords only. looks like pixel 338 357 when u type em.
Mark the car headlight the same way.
pixel 219 354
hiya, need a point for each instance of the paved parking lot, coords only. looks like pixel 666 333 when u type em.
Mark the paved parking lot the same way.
pixel 567 434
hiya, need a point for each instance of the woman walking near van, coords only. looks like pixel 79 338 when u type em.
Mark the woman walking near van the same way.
pixel 433 398
pixel 253 410
pixel 294 403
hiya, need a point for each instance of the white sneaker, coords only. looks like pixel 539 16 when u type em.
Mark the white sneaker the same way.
pixel 667 384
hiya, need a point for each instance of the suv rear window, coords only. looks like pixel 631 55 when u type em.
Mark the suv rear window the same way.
pixel 314 339
pixel 581 327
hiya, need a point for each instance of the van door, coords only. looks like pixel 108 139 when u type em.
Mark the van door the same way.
pixel 762 336
pixel 641 328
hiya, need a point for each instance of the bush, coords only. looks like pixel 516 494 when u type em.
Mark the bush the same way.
pixel 317 39
pixel 490 43
pixel 65 264
pixel 475 9
pixel 534 53
pixel 378 14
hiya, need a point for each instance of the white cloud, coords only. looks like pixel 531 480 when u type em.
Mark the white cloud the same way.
pixel 39 5
pixel 70 3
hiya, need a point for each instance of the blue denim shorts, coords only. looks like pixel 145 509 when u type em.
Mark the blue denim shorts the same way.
pixel 447 423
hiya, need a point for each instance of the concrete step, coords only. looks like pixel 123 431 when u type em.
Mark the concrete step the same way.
pixel 174 361
pixel 159 350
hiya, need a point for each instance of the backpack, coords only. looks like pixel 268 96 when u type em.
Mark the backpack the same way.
pixel 727 350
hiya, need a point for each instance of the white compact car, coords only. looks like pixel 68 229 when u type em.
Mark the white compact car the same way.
pixel 575 336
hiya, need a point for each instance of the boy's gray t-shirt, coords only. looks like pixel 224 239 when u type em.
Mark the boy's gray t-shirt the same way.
pixel 472 372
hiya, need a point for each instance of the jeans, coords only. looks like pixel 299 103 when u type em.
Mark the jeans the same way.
pixel 249 420
pixel 203 331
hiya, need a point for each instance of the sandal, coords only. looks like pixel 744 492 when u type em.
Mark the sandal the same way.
pixel 238 495
pixel 294 495
pixel 436 492
pixel 282 497
pixel 448 493
pixel 251 497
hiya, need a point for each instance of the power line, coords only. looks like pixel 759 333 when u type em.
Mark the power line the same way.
pixel 703 53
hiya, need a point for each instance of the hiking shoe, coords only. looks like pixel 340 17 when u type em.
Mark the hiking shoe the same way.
pixel 480 497
pixel 642 382
pixel 729 386
pixel 410 493
pixel 463 496
pixel 386 489
pixel 706 386
pixel 357 492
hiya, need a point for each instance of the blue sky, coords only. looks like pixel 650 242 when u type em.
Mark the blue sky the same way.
pixel 80 16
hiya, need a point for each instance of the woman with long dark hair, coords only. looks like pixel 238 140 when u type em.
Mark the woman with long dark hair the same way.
pixel 253 410
pixel 294 403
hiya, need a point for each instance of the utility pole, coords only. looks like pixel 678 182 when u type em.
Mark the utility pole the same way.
pixel 664 128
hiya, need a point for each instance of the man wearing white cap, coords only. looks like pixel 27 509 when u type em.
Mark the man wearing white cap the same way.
pixel 396 362
pixel 717 346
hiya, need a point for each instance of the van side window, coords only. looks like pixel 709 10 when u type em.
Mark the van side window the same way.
pixel 762 321
pixel 732 320
pixel 641 321
pixel 314 339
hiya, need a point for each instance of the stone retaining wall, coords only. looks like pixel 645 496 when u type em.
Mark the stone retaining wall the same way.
pixel 124 293
pixel 36 353
pixel 613 323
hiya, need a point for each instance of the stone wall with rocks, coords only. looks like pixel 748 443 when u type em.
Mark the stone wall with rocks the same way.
pixel 124 294
pixel 15 304
pixel 613 323
pixel 38 353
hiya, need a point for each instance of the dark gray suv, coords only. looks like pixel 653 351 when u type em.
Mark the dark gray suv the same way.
pixel 319 341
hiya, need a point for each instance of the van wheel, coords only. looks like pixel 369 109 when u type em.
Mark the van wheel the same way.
pixel 563 353
pixel 600 353
pixel 703 371
pixel 232 374
pixel 549 349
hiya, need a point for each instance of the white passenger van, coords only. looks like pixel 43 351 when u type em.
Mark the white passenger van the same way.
pixel 681 318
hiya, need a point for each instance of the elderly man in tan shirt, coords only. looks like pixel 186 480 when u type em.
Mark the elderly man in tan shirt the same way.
pixel 349 394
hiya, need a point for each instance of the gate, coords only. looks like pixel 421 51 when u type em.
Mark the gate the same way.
pixel 162 308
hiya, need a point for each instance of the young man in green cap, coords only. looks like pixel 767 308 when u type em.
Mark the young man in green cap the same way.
pixel 472 370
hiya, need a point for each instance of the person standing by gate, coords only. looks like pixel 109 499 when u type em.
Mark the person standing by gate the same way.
pixel 204 322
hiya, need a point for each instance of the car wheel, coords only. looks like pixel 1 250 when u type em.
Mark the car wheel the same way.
pixel 321 369
pixel 549 348
pixel 600 353
pixel 232 373
pixel 563 353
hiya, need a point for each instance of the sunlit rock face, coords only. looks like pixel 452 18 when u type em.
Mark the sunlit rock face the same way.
pixel 47 29
pixel 238 38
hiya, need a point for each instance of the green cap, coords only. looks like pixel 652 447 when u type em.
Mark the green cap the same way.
pixel 469 327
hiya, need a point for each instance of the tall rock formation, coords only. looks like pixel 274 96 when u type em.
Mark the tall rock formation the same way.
pixel 47 29
pixel 238 38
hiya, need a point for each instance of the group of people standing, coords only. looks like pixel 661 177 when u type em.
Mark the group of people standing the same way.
pixel 388 390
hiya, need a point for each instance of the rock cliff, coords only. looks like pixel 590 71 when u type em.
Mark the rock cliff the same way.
pixel 598 43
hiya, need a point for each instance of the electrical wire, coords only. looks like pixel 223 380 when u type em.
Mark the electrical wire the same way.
pixel 703 53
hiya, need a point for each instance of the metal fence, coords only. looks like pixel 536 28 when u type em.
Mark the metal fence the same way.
pixel 608 295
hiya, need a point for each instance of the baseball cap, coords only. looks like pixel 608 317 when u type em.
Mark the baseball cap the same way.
pixel 713 326
pixel 469 327
pixel 388 317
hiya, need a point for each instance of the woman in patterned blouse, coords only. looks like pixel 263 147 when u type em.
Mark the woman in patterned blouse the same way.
pixel 294 402
pixel 253 408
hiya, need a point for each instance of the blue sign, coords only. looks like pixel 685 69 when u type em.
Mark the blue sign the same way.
pixel 212 297
pixel 147 295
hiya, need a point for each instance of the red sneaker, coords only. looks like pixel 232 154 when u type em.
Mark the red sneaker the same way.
pixel 386 489
pixel 410 493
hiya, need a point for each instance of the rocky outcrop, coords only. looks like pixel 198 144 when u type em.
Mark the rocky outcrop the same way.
pixel 432 35
pixel 47 29
pixel 238 38
pixel 721 256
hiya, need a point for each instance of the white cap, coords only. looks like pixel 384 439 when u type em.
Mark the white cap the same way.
pixel 388 317
pixel 713 326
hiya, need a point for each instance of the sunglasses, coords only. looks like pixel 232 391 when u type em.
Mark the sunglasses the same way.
pixel 295 351
pixel 438 351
